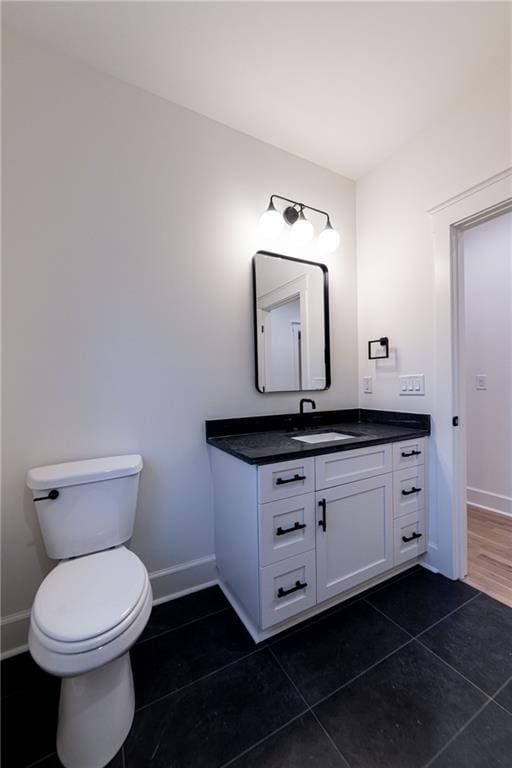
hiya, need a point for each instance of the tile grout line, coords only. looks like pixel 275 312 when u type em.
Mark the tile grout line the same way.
pixel 186 624
pixel 199 679
pixel 310 709
pixel 446 663
pixel 430 626
pixel 260 741
pixel 360 674
pixel 457 734
pixel 504 709
pixel 388 618
pixel 324 729
pixel 281 727
pixel 503 685
pixel 462 605
pixel 40 760
pixel 509 680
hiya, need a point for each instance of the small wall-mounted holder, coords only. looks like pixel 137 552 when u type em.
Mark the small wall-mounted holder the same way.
pixel 378 349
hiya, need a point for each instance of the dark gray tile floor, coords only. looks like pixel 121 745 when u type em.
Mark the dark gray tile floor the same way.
pixel 414 673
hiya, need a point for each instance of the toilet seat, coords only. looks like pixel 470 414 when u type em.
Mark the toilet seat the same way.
pixel 89 596
pixel 92 643
pixel 73 657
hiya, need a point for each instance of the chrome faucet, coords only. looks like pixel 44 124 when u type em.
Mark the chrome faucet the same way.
pixel 306 400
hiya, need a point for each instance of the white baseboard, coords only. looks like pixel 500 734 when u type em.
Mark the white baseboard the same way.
pixel 493 502
pixel 182 579
pixel 429 567
pixel 167 584
pixel 14 633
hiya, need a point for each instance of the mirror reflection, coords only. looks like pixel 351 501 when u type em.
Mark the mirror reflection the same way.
pixel 291 318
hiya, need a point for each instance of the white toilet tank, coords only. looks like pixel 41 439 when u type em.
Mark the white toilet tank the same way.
pixel 93 505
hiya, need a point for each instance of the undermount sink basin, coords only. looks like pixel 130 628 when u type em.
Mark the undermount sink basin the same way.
pixel 323 437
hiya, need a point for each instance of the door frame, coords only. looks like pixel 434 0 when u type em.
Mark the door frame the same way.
pixel 447 551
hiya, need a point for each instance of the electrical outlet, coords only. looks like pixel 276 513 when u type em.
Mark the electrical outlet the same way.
pixel 481 381
pixel 367 385
pixel 412 384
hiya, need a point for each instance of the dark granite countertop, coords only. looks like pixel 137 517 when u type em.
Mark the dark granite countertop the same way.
pixel 265 439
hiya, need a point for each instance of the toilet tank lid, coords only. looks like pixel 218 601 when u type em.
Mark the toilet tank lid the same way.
pixel 80 472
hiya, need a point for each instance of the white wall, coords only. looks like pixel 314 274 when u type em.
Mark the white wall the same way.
pixel 488 343
pixel 467 144
pixel 129 228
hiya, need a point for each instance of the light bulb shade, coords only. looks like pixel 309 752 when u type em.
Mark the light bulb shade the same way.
pixel 328 239
pixel 271 222
pixel 302 230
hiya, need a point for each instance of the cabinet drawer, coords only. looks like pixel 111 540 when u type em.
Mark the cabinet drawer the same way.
pixel 287 527
pixel 348 466
pixel 282 595
pixel 288 478
pixel 409 453
pixel 409 536
pixel 408 490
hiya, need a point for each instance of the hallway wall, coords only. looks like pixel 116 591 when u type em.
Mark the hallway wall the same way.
pixel 488 309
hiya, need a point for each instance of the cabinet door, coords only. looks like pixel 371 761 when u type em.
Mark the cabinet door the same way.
pixel 354 534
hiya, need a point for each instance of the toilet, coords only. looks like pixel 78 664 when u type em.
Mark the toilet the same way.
pixel 93 605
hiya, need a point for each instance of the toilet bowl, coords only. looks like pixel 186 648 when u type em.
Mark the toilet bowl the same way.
pixel 93 605
pixel 87 614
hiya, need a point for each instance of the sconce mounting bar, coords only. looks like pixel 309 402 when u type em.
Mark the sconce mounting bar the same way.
pixel 301 205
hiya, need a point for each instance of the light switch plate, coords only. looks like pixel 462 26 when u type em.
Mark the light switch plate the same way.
pixel 412 384
pixel 481 381
pixel 367 385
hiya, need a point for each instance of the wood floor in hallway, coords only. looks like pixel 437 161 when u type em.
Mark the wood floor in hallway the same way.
pixel 490 553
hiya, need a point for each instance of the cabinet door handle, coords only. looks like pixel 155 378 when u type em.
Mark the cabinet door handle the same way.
pixel 410 453
pixel 412 537
pixel 294 479
pixel 323 520
pixel 283 592
pixel 295 527
pixel 413 490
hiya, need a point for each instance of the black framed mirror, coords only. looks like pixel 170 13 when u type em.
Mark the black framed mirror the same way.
pixel 291 324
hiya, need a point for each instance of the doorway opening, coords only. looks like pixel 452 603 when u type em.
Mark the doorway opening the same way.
pixel 485 375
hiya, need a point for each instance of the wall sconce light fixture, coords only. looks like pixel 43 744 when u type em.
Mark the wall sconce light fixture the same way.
pixel 272 221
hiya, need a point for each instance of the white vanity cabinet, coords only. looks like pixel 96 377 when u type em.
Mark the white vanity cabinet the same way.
pixel 299 535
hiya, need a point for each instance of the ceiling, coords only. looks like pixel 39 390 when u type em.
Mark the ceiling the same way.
pixel 341 84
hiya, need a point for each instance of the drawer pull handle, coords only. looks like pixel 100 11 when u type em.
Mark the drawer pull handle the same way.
pixel 412 537
pixel 406 454
pixel 283 592
pixel 323 520
pixel 294 479
pixel 413 490
pixel 295 527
